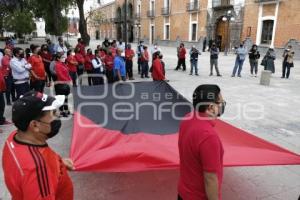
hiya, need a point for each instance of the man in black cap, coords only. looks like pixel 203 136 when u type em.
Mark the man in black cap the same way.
pixel 32 170
pixel 200 148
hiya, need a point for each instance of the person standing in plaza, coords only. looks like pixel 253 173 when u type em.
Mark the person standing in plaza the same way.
pixel 157 68
pixel 61 48
pixel 98 69
pixel 47 58
pixel 62 84
pixel 80 66
pixel 204 44
pixel 32 170
pixel 194 53
pixel 2 102
pixel 181 52
pixel 145 62
pixel 129 54
pixel 72 65
pixel 253 59
pixel 7 75
pixel 38 73
pixel 288 61
pixel 88 65
pixel 109 65
pixel 241 53
pixel 119 67
pixel 214 57
pixel 200 148
pixel 20 69
pixel 139 52
pixel 268 60
pixel 81 46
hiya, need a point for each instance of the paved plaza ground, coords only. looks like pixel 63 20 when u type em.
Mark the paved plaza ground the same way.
pixel 269 112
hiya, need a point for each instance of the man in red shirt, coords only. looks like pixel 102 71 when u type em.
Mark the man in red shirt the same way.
pixel 129 54
pixel 181 51
pixel 72 66
pixel 145 63
pixel 109 65
pixel 80 67
pixel 157 68
pixel 81 46
pixel 88 66
pixel 38 72
pixel 200 148
pixel 6 72
pixel 32 170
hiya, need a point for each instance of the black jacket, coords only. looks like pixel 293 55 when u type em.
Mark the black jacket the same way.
pixel 254 55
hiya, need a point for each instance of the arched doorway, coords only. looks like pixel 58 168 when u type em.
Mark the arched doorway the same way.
pixel 221 33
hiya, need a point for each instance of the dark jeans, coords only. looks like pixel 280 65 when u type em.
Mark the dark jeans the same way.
pixel 145 69
pixel 214 62
pixel 181 61
pixel 90 79
pixel 97 80
pixel 238 67
pixel 194 64
pixel 38 85
pixel 129 65
pixel 22 88
pixel 10 89
pixel 110 76
pixel 47 69
pixel 254 66
pixel 139 62
pixel 79 73
pixel 286 69
pixel 2 108
pixel 74 78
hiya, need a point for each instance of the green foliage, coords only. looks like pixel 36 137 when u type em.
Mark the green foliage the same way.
pixel 20 22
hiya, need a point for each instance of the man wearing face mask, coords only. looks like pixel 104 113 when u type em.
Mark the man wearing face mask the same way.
pixel 20 69
pixel 200 148
pixel 32 170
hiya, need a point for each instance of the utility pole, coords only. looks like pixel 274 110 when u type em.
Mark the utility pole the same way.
pixel 125 28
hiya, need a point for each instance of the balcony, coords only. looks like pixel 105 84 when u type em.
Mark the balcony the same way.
pixel 266 1
pixel 165 11
pixel 137 16
pixel 193 6
pixel 150 13
pixel 222 4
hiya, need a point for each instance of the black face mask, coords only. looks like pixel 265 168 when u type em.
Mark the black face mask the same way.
pixel 55 126
pixel 22 55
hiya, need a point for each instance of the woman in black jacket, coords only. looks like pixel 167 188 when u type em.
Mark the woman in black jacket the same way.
pixel 253 58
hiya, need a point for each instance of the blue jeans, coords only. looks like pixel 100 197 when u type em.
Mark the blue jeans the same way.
pixel 145 69
pixel 194 64
pixel 238 66
pixel 10 89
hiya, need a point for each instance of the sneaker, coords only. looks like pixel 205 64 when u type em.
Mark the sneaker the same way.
pixel 176 69
pixel 6 123
pixel 191 74
pixel 183 70
pixel 142 76
pixel 210 74
pixel 240 76
pixel 147 77
pixel 131 79
pixel 282 77
pixel 197 74
pixel 219 75
pixel 232 75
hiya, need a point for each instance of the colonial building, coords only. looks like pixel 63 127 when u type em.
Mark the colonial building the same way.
pixel 272 23
pixel 103 24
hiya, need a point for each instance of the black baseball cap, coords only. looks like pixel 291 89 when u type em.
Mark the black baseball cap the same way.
pixel 30 106
pixel 205 94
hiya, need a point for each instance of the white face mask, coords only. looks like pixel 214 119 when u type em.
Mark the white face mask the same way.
pixel 73 53
pixel 62 59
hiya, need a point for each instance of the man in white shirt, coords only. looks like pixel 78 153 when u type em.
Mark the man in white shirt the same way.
pixel 98 69
pixel 61 48
pixel 20 69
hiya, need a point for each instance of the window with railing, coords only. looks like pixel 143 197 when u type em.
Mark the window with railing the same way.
pixel 221 3
pixel 165 11
pixel 151 13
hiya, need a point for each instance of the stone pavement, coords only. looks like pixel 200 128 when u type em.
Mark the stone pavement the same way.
pixel 271 113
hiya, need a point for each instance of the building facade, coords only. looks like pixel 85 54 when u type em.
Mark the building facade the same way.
pixel 272 23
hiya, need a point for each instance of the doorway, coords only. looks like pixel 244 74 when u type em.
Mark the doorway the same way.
pixel 221 34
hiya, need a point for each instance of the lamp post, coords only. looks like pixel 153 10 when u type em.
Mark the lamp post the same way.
pixel 229 17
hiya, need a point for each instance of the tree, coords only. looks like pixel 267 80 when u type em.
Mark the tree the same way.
pixel 20 22
pixel 82 22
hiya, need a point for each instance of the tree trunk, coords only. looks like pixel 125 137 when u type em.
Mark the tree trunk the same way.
pixel 82 23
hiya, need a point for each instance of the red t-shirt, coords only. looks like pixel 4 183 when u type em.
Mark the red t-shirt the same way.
pixel 62 72
pixel 200 150
pixel 145 56
pixel 72 67
pixel 2 82
pixel 82 48
pixel 47 56
pixel 34 172
pixel 157 70
pixel 38 68
pixel 109 62
pixel 6 70
pixel 80 59
pixel 113 51
pixel 129 54
pixel 182 53
pixel 88 62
